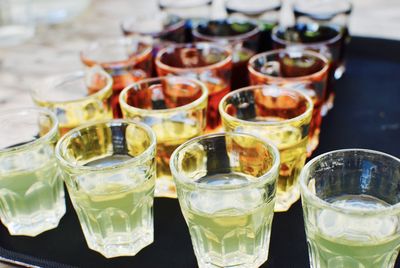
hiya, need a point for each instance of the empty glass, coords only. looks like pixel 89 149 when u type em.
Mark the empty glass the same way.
pixel 226 187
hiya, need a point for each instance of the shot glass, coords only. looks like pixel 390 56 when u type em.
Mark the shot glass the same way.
pixel 264 13
pixel 226 189
pixel 126 59
pixel 175 108
pixel 351 209
pixel 327 12
pixel 242 36
pixel 31 192
pixel 76 98
pixel 109 169
pixel 209 63
pixel 306 71
pixel 324 39
pixel 16 22
pixel 283 117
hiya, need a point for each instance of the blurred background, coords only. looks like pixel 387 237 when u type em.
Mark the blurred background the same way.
pixel 54 46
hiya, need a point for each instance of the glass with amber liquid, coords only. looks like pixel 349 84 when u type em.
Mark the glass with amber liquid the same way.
pixel 175 108
pixel 76 98
pixel 207 62
pixel 283 117
pixel 241 35
pixel 306 71
pixel 127 60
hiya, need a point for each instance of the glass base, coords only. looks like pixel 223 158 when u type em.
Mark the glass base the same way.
pixel 328 105
pixel 165 188
pixel 122 244
pixel 236 260
pixel 285 200
pixel 38 223
pixel 313 142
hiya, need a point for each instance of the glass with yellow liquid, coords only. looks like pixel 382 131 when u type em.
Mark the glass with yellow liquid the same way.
pixel 31 191
pixel 76 98
pixel 175 108
pixel 283 117
pixel 351 208
pixel 109 169
pixel 226 187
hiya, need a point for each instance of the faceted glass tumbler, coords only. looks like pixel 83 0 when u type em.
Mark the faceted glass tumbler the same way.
pixel 31 192
pixel 351 209
pixel 109 170
pixel 226 187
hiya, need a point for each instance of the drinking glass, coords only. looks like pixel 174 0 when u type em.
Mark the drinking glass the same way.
pixel 16 22
pixel 324 39
pixel 264 13
pixel 109 169
pixel 175 108
pixel 283 117
pixel 126 59
pixel 240 35
pixel 76 98
pixel 209 63
pixel 306 71
pixel 327 12
pixel 226 187
pixel 31 192
pixel 351 209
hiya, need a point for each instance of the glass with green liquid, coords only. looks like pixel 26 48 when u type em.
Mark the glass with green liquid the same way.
pixel 351 209
pixel 226 186
pixel 109 170
pixel 31 192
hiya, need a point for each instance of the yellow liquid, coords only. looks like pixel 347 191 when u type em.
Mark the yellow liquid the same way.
pixel 170 135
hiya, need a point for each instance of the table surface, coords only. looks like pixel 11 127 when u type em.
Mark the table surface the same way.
pixel 368 116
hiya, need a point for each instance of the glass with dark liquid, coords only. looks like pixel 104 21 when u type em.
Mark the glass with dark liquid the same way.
pixel 127 60
pixel 207 62
pixel 175 108
pixel 241 35
pixel 306 71
pixel 325 39
pixel 264 13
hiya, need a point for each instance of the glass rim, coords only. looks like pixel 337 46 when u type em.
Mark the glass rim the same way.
pixel 130 60
pixel 230 38
pixel 172 4
pixel 300 117
pixel 180 23
pixel 284 42
pixel 193 104
pixel 306 193
pixel 53 131
pixel 113 122
pixel 323 15
pixel 49 84
pixel 268 175
pixel 253 71
pixel 275 7
pixel 161 65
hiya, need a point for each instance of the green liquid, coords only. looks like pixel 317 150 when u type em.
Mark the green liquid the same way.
pixel 350 241
pixel 229 228
pixel 115 209
pixel 31 201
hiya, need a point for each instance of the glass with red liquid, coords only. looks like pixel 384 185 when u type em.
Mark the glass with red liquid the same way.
pixel 241 35
pixel 325 39
pixel 207 62
pixel 126 59
pixel 306 71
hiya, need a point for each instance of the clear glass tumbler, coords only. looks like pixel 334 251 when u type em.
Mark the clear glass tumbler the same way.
pixel 226 187
pixel 306 71
pixel 109 168
pixel 175 108
pixel 31 191
pixel 351 209
pixel 76 98
pixel 283 117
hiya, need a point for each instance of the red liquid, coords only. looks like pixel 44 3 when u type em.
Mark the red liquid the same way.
pixel 213 116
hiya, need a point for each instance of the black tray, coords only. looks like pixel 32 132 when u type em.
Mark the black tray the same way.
pixel 366 115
